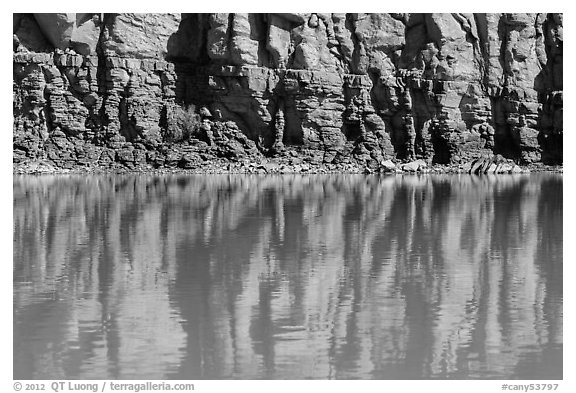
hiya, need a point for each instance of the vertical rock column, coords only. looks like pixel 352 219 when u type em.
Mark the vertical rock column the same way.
pixel 550 28
pixel 316 103
pixel 138 80
pixel 30 129
pixel 519 98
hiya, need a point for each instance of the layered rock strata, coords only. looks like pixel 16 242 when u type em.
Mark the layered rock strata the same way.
pixel 120 89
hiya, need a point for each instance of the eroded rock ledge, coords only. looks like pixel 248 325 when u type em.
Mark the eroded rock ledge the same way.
pixel 180 90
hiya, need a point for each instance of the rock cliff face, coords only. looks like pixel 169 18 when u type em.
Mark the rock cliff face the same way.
pixel 119 89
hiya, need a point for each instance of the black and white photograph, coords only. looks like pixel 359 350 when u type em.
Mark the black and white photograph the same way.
pixel 202 197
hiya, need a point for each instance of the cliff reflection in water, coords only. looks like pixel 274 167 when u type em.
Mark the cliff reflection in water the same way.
pixel 287 277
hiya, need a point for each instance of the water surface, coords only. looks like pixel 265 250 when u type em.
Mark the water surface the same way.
pixel 288 277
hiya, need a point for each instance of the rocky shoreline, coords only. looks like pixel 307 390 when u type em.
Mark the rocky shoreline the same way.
pixel 483 166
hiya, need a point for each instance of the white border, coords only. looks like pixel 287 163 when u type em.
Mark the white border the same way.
pixel 568 384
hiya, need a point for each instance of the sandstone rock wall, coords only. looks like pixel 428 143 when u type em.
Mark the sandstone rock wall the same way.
pixel 106 89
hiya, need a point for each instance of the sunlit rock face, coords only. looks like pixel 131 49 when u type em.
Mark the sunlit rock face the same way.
pixel 447 88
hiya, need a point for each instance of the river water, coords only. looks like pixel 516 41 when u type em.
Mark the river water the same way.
pixel 287 277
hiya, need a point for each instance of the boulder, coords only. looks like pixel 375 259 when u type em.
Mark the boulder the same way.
pixel 217 39
pixel 296 19
pixel 278 40
pixel 86 34
pixel 388 166
pixel 414 166
pixel 57 28
pixel 246 32
pixel 138 36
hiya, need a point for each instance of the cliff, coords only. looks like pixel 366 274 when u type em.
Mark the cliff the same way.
pixel 180 90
